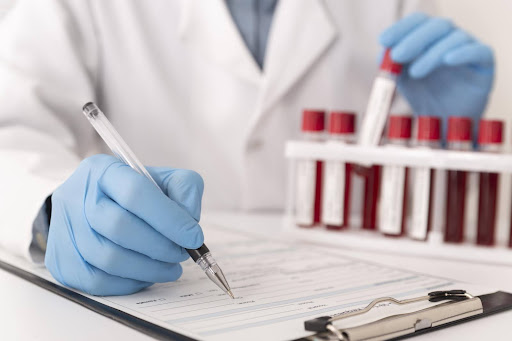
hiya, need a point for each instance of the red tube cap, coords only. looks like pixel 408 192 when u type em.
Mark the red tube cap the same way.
pixel 490 131
pixel 389 65
pixel 429 128
pixel 459 129
pixel 342 122
pixel 313 120
pixel 399 127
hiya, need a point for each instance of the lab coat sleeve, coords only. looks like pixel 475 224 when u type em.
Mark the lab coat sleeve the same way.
pixel 47 72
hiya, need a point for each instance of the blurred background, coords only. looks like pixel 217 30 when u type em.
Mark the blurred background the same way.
pixel 488 20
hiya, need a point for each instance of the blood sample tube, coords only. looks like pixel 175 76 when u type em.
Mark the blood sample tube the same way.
pixel 337 174
pixel 510 238
pixel 380 101
pixel 370 134
pixel 371 197
pixel 309 173
pixel 428 136
pixel 458 138
pixel 393 199
pixel 490 138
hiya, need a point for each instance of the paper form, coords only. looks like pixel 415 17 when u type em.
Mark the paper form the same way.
pixel 278 285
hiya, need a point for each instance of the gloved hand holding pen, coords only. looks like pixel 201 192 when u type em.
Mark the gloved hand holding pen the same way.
pixel 447 71
pixel 113 232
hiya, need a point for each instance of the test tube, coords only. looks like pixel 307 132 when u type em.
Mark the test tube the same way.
pixel 370 134
pixel 458 138
pixel 309 173
pixel 490 139
pixel 337 174
pixel 428 136
pixel 379 104
pixel 371 197
pixel 393 200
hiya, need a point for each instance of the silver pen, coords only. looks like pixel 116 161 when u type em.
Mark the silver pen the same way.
pixel 109 134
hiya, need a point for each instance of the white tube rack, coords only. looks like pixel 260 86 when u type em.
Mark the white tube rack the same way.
pixel 409 157
pixel 402 156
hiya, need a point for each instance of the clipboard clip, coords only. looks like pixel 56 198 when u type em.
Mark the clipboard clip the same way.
pixel 325 323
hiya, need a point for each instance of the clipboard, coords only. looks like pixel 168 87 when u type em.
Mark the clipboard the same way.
pixel 459 307
pixel 143 326
pixel 471 308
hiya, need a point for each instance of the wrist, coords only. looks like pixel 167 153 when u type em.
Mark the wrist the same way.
pixel 41 226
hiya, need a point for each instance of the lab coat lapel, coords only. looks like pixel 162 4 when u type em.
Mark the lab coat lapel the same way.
pixel 207 28
pixel 301 32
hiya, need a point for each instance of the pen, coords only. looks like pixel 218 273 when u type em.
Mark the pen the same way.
pixel 109 134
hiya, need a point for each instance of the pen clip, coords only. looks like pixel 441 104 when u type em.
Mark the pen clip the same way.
pixel 324 323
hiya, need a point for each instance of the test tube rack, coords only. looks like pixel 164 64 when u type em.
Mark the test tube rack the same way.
pixel 355 238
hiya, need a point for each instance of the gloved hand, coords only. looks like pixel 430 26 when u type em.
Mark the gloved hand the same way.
pixel 112 232
pixel 447 72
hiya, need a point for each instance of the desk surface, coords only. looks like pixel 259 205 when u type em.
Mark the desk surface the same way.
pixel 29 312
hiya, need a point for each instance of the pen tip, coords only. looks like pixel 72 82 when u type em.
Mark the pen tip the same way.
pixel 230 294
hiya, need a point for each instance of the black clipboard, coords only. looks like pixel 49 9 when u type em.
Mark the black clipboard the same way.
pixel 148 328
pixel 491 303
pixel 462 307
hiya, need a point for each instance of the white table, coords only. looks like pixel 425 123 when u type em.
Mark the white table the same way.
pixel 28 312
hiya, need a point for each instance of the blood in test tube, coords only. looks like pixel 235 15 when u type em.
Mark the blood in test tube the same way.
pixel 510 238
pixel 337 174
pixel 458 138
pixel 318 192
pixel 428 136
pixel 371 197
pixel 308 194
pixel 490 139
pixel 379 104
pixel 394 192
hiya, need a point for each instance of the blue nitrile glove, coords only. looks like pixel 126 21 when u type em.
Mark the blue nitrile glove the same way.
pixel 447 71
pixel 112 232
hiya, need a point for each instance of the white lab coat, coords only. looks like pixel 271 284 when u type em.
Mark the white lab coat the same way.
pixel 180 85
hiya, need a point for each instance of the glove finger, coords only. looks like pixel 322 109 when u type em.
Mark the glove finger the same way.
pixel 433 58
pixel 69 268
pixel 115 260
pixel 473 53
pixel 129 231
pixel 401 28
pixel 183 186
pixel 140 196
pixel 421 38
pixel 101 283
